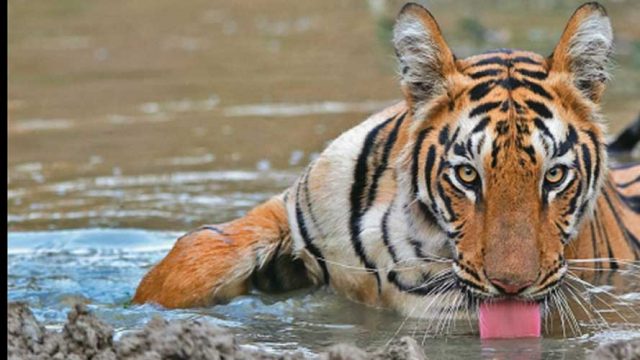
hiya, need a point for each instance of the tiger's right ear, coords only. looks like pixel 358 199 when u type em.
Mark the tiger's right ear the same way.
pixel 425 58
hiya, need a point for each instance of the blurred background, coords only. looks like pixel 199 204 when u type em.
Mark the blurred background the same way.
pixel 166 115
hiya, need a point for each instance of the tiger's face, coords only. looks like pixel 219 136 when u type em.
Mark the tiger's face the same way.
pixel 508 153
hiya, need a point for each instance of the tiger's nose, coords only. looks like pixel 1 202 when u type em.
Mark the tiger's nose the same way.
pixel 510 287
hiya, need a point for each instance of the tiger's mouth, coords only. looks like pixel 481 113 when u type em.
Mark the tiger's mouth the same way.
pixel 506 311
pixel 478 286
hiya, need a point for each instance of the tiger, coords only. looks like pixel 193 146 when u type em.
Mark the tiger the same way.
pixel 484 182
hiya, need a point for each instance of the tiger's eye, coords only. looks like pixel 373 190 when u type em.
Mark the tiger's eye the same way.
pixel 467 174
pixel 555 175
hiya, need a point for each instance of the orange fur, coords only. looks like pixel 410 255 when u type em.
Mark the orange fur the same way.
pixel 207 266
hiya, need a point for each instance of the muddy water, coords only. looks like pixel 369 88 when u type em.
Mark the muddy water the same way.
pixel 132 122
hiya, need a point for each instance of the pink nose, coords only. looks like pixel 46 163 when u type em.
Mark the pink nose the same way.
pixel 510 287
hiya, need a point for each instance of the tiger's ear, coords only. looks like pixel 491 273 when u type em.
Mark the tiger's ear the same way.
pixel 585 49
pixel 425 58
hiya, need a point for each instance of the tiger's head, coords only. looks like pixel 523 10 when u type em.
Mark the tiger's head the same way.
pixel 507 150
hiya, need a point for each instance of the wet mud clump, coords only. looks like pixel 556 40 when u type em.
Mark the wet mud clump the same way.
pixel 84 336
pixel 618 350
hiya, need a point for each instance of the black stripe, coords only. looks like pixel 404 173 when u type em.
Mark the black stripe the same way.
pixel 529 150
pixel 596 167
pixel 212 228
pixel 421 289
pixel 586 158
pixel 627 234
pixel 568 143
pixel 484 73
pixel 482 124
pixel 526 60
pixel 538 123
pixel 506 62
pixel 357 191
pixel 539 90
pixel 415 157
pixel 447 202
pixel 510 83
pixel 540 75
pixel 428 168
pixel 388 146
pixel 492 60
pixel 470 284
pixel 632 202
pixel 469 148
pixel 308 241
pixel 481 90
pixel 469 271
pixel 428 214
pixel 460 149
pixel 480 144
pixel 484 108
pixel 450 142
pixel 495 149
pixel 539 108
pixel 628 183
pixel 448 180
pixel 417 249
pixel 565 235
pixel 504 107
pixel 636 242
pixel 548 276
pixel 414 174
pixel 385 235
pixel 443 136
pixel 573 203
pixel 613 264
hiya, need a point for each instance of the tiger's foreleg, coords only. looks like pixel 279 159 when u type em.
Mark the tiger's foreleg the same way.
pixel 213 264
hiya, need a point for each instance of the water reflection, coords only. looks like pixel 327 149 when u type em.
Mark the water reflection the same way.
pixel 523 349
pixel 100 267
pixel 160 200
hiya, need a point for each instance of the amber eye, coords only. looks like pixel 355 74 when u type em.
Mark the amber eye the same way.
pixel 555 175
pixel 467 174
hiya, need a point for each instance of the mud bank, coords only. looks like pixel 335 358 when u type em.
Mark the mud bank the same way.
pixel 84 336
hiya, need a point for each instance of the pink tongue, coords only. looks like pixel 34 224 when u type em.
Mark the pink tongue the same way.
pixel 509 319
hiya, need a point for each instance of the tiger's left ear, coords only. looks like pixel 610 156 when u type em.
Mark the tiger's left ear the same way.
pixel 585 50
